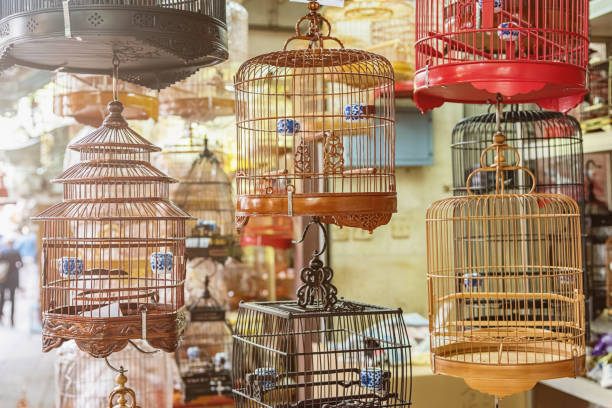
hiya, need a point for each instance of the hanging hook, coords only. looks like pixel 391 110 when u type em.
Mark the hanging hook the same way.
pixel 141 350
pixel 314 221
pixel 116 77
pixel 119 370
pixel 499 112
pixel 496 401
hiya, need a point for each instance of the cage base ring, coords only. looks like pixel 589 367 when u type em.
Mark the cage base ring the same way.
pixel 362 210
pixel 555 86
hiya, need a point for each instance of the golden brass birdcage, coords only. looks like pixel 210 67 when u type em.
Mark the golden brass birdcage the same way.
pixel 316 132
pixel 113 252
pixel 85 382
pixel 209 93
pixel 385 27
pixel 505 283
pixel 85 98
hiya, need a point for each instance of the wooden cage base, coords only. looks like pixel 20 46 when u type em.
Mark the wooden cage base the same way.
pixel 507 372
pixel 100 337
pixel 360 210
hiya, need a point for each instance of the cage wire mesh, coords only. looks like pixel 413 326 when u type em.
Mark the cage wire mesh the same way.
pixel 505 284
pixel 468 51
pixel 209 93
pixel 85 98
pixel 205 192
pixel 384 27
pixel 315 132
pixel 159 42
pixel 85 382
pixel 204 357
pixel 549 143
pixel 113 252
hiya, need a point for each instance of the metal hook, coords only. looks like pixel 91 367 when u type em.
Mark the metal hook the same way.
pixel 115 77
pixel 140 350
pixel 498 113
pixel 119 370
pixel 496 401
pixel 314 221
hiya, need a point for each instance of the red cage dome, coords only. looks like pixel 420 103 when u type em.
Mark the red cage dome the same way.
pixel 527 51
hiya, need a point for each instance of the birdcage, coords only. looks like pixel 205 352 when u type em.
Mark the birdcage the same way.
pixel 85 98
pixel 384 27
pixel 85 382
pixel 319 350
pixel 205 192
pixel 159 42
pixel 532 51
pixel 210 93
pixel 113 252
pixel 204 357
pixel 550 145
pixel 505 284
pixel 316 132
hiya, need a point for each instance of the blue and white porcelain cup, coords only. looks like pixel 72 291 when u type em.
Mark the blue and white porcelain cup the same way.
pixel 70 266
pixel 354 111
pixel 373 378
pixel 497 5
pixel 267 377
pixel 506 34
pixel 472 280
pixel 193 352
pixel 288 126
pixel 162 262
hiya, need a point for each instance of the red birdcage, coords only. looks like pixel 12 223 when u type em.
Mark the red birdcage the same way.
pixel 527 51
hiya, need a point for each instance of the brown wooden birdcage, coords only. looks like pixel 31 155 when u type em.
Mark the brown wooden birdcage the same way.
pixel 385 27
pixel 113 252
pixel 85 382
pixel 315 132
pixel 85 98
pixel 320 351
pixel 209 93
pixel 505 284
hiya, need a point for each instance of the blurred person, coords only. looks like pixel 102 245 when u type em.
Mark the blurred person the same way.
pixel 10 281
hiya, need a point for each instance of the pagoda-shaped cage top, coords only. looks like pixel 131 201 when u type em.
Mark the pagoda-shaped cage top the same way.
pixel 85 98
pixel 528 51
pixel 209 93
pixel 383 27
pixel 316 132
pixel 505 282
pixel 85 382
pixel 549 143
pixel 113 252
pixel 289 356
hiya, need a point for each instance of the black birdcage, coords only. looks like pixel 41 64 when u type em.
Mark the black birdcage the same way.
pixel 320 351
pixel 204 358
pixel 158 42
pixel 549 143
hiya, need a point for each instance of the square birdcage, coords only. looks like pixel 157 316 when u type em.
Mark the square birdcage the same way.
pixel 113 252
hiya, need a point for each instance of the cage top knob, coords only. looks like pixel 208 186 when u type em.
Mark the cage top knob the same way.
pixel 499 139
pixel 114 119
pixel 314 5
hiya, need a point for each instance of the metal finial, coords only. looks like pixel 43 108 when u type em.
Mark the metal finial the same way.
pixel 122 396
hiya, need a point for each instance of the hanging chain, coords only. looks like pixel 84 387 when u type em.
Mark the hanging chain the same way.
pixel 115 78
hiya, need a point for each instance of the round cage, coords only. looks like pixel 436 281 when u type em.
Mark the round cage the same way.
pixel 505 283
pixel 316 134
pixel 529 51
pixel 205 192
pixel 113 252
pixel 289 356
pixel 85 98
pixel 549 144
pixel 204 358
pixel 158 42
pixel 85 382
pixel 209 93
pixel 384 27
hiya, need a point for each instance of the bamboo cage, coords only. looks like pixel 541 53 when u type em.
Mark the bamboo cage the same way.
pixel 383 27
pixel 505 283
pixel 209 93
pixel 549 143
pixel 85 382
pixel 316 132
pixel 527 51
pixel 113 252
pixel 85 98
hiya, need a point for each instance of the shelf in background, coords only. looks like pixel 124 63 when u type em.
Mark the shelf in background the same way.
pixel 595 142
pixel 583 389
